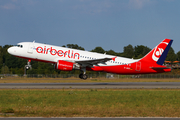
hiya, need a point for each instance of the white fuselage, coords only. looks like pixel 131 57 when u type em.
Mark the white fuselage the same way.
pixel 51 53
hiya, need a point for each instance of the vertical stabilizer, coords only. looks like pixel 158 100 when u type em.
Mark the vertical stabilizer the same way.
pixel 159 53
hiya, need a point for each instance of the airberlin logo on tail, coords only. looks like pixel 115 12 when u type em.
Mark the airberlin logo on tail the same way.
pixel 158 51
pixel 60 53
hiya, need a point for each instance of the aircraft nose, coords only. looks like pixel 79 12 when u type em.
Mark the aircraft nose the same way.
pixel 11 50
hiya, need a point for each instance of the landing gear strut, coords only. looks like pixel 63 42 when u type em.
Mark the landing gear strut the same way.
pixel 28 66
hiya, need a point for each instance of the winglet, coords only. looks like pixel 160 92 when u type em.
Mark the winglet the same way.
pixel 113 58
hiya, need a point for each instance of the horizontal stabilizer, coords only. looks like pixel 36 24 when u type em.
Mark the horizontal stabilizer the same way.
pixel 159 68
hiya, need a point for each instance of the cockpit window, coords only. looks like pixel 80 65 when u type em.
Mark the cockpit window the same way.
pixel 21 46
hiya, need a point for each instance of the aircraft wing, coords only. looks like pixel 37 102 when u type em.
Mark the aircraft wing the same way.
pixel 92 62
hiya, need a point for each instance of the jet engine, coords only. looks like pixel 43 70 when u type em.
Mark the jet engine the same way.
pixel 66 66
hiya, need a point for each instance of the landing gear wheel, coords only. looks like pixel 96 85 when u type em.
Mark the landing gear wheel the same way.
pixel 83 76
pixel 80 75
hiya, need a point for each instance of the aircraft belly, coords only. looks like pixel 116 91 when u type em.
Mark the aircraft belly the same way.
pixel 121 69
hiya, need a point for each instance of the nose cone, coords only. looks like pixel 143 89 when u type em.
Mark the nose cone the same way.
pixel 11 50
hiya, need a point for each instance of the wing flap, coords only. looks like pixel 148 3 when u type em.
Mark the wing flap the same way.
pixel 93 61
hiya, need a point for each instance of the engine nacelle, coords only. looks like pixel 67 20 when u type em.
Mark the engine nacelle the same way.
pixel 64 65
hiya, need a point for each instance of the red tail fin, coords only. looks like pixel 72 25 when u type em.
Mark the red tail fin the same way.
pixel 159 53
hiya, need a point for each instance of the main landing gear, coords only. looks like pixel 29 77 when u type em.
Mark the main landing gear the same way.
pixel 83 74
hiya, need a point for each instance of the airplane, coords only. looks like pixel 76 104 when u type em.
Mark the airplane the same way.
pixel 67 59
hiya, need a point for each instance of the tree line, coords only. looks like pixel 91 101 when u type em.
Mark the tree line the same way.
pixel 10 64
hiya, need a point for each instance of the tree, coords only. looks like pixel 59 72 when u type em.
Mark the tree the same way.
pixel 178 56
pixel 5 70
pixel 128 51
pixel 75 46
pixel 141 51
pixel 1 56
pixel 98 50
pixel 45 68
pixel 111 52
pixel 13 62
pixel 171 56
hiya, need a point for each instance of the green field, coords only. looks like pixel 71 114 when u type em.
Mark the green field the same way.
pixel 96 103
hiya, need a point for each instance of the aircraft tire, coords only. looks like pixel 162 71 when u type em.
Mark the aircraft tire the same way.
pixel 84 76
pixel 80 75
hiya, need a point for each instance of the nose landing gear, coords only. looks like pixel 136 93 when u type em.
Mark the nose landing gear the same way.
pixel 27 67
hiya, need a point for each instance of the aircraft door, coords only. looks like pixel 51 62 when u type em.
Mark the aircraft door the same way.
pixel 30 48
pixel 138 66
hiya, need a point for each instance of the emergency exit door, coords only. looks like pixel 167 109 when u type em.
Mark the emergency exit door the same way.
pixel 138 66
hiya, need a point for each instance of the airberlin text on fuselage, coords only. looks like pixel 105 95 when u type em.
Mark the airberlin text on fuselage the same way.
pixel 60 53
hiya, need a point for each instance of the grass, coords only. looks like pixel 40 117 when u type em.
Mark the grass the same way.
pixel 77 80
pixel 90 102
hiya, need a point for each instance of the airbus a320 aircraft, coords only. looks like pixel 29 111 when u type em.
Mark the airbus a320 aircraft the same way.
pixel 68 59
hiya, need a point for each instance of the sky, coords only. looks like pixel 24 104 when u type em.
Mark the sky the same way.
pixel 110 24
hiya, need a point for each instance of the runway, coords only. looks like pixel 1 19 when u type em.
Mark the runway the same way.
pixel 116 85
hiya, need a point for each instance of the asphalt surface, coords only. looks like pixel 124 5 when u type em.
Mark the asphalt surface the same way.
pixel 117 85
